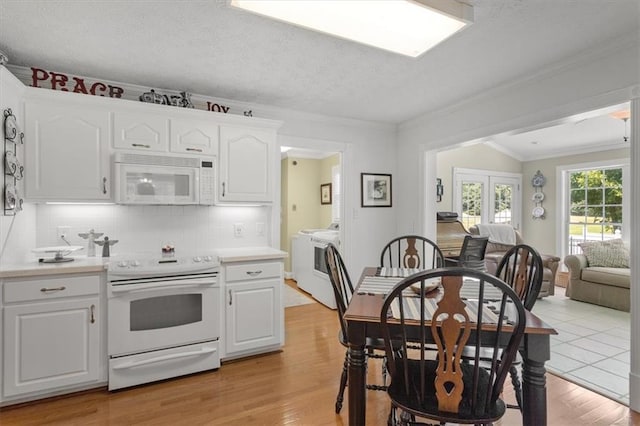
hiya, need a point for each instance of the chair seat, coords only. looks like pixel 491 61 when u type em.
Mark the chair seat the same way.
pixel 429 405
pixel 370 343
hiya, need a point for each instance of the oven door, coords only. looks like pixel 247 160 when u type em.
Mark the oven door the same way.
pixel 150 315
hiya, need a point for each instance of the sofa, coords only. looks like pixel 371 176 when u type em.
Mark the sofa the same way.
pixel 495 252
pixel 596 280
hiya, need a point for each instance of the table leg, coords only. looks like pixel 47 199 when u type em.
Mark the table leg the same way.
pixel 357 376
pixel 534 390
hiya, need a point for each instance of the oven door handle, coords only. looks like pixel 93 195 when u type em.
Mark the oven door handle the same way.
pixel 136 288
pixel 134 364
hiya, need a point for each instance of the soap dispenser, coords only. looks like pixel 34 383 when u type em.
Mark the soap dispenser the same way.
pixel 91 241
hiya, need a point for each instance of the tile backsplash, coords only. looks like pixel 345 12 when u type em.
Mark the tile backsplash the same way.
pixel 146 228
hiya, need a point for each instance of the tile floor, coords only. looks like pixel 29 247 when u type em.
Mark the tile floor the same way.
pixel 592 345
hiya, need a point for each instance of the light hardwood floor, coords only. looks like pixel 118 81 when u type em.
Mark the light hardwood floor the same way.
pixel 296 386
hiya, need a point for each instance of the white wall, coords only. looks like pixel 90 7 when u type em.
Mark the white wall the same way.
pixel 192 229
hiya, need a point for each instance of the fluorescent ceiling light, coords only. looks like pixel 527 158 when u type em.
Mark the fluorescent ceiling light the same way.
pixel 409 27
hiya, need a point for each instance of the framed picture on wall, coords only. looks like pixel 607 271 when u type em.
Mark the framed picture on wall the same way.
pixel 325 193
pixel 375 189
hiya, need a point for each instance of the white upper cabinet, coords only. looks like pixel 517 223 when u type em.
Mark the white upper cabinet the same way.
pixel 246 164
pixel 140 131
pixel 67 151
pixel 194 136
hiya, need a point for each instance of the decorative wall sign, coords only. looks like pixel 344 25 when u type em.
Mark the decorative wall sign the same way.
pixel 41 78
pixel 184 100
pixel 325 193
pixel 375 190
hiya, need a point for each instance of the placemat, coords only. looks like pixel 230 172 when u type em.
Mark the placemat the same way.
pixel 412 309
pixel 396 272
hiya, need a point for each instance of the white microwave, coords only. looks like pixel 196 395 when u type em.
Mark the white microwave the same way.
pixel 164 179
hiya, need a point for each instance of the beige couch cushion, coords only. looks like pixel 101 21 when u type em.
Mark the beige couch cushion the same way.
pixel 617 277
pixel 608 253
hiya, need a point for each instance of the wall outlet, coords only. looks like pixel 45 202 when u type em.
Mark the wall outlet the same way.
pixel 238 230
pixel 62 232
pixel 260 229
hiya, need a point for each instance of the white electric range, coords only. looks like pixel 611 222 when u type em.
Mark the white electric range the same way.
pixel 163 317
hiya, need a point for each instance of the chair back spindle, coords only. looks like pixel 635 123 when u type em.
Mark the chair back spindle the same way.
pixel 521 268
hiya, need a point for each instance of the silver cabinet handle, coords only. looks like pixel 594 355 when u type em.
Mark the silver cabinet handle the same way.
pixel 140 145
pixel 230 298
pixel 93 314
pixel 223 189
pixel 48 290
pixel 254 273
pixel 104 185
pixel 194 149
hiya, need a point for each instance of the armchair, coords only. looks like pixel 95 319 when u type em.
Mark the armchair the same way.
pixel 495 252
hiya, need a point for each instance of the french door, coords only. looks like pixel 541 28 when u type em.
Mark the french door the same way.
pixel 482 196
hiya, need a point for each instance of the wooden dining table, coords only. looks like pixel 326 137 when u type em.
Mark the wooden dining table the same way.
pixel 363 318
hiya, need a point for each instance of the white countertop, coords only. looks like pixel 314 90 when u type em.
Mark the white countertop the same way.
pixel 84 264
pixel 242 254
pixel 80 264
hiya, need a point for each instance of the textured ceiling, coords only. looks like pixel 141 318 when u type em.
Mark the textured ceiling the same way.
pixel 208 48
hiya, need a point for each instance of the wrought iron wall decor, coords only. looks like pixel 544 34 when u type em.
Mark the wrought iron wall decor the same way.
pixel 13 170
pixel 439 189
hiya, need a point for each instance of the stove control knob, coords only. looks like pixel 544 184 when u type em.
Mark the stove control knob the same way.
pixel 123 264
pixel 208 258
pixel 197 259
pixel 135 263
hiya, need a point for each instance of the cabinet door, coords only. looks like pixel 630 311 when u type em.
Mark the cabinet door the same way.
pixel 50 345
pixel 67 152
pixel 246 164
pixel 194 137
pixel 140 131
pixel 254 315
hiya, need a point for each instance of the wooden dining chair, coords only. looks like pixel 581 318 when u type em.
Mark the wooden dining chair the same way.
pixel 472 309
pixel 411 251
pixel 521 268
pixel 343 291
pixel 471 253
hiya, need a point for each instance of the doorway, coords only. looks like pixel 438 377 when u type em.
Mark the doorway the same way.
pixel 311 201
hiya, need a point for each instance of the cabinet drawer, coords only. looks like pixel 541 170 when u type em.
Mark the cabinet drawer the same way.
pixel 253 271
pixel 51 288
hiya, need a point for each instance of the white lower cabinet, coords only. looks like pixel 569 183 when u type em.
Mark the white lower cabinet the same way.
pixel 254 309
pixel 52 332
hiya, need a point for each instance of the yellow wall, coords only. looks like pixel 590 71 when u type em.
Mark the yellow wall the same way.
pixel 326 165
pixel 300 189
